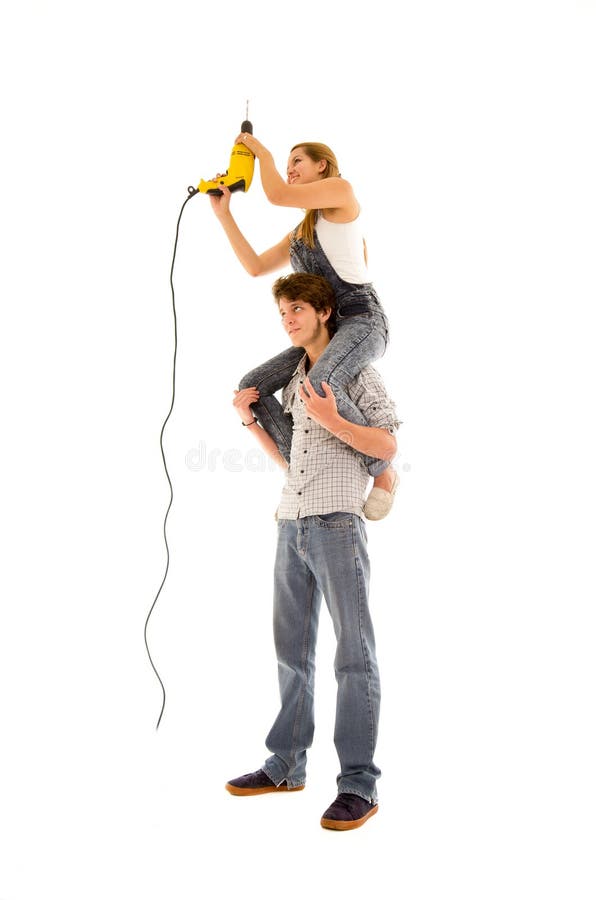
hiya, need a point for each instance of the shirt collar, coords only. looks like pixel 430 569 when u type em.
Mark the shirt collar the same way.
pixel 301 367
pixel 298 374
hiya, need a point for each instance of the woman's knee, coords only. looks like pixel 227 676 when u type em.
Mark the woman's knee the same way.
pixel 335 378
pixel 251 379
pixel 245 382
pixel 320 373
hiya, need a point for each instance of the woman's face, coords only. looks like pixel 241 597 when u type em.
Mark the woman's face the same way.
pixel 302 169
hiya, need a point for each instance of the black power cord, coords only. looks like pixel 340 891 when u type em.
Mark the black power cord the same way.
pixel 191 193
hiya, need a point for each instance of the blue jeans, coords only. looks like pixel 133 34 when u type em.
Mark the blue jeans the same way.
pixel 324 556
pixel 362 336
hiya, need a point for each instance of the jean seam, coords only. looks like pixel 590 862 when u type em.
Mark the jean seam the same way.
pixel 371 462
pixel 272 429
pixel 304 661
pixel 371 715
pixel 272 372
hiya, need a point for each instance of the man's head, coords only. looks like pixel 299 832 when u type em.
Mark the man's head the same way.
pixel 307 307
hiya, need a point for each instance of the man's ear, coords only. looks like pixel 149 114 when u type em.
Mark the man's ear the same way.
pixel 325 314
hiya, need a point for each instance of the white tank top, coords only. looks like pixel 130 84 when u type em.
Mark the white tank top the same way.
pixel 343 245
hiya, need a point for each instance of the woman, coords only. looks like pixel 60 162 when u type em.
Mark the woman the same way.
pixel 327 242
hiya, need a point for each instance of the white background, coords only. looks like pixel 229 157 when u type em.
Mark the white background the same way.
pixel 467 129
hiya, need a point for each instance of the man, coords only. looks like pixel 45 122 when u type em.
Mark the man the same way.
pixel 321 551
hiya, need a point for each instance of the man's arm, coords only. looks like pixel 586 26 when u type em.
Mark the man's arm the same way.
pixel 377 442
pixel 242 402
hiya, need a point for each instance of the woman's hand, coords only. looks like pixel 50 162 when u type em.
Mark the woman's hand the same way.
pixel 252 143
pixel 242 401
pixel 220 203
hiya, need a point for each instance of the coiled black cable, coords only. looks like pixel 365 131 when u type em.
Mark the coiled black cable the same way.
pixel 191 193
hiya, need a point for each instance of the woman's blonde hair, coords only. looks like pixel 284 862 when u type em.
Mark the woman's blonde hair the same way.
pixel 316 152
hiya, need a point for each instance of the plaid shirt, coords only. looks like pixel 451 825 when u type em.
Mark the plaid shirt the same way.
pixel 325 474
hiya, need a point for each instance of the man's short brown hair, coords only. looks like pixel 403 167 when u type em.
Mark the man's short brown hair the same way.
pixel 310 288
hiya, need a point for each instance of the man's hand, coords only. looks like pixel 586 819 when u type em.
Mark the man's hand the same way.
pixel 242 401
pixel 322 409
pixel 377 442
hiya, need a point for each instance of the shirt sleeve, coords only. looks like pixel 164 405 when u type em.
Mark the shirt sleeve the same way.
pixel 368 392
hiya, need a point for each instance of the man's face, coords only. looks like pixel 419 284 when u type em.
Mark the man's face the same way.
pixel 302 322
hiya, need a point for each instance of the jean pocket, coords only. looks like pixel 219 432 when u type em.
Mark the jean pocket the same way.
pixel 335 520
pixel 355 308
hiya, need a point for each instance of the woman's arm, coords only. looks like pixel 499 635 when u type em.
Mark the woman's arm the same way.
pixel 326 193
pixel 255 264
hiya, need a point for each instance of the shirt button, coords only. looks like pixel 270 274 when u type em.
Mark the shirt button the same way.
pixel 306 430
pixel 302 471
pixel 299 493
pixel 306 451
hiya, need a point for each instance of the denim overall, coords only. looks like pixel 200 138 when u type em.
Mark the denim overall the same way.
pixel 362 336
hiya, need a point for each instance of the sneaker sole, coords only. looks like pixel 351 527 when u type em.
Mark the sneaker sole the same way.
pixel 347 825
pixel 252 792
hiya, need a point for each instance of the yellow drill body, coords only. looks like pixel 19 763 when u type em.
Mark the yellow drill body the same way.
pixel 239 174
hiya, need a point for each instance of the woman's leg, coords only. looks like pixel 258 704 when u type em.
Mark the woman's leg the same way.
pixel 357 342
pixel 268 378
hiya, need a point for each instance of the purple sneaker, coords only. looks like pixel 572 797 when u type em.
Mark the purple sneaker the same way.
pixel 257 783
pixel 348 811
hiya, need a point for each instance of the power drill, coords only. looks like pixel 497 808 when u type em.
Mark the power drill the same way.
pixel 240 171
